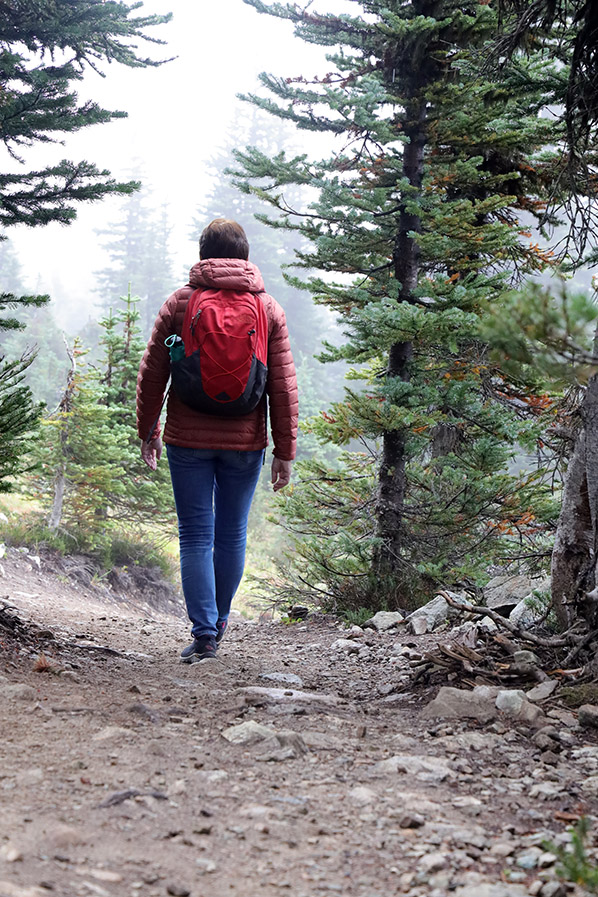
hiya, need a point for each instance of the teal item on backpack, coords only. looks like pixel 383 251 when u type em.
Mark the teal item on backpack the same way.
pixel 176 347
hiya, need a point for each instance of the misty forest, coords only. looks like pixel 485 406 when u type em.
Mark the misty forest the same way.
pixel 436 272
pixel 422 204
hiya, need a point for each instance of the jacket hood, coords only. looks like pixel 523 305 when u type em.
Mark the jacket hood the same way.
pixel 227 274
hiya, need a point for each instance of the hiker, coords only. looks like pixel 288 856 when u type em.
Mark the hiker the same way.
pixel 216 456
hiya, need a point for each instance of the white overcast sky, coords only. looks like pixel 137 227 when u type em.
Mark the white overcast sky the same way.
pixel 178 114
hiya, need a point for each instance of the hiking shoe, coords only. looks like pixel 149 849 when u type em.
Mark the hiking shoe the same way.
pixel 221 626
pixel 202 648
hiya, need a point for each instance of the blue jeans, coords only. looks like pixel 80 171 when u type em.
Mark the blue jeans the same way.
pixel 213 490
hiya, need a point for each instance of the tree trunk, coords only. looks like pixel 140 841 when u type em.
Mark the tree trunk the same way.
pixel 575 553
pixel 65 408
pixel 392 473
pixel 59 487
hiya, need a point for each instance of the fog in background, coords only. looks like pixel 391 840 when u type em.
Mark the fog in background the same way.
pixel 179 114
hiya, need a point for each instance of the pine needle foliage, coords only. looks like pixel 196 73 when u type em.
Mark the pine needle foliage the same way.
pixel 570 29
pixel 137 243
pixel 421 226
pixel 45 48
pixel 19 417
pixel 19 411
pixel 90 477
pixel 144 499
pixel 575 862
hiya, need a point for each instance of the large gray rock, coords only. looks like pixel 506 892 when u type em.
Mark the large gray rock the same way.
pixel 61 836
pixel 526 613
pixel 590 784
pixel 514 704
pixel 324 741
pixel 11 889
pixel 345 644
pixel 284 745
pixel 502 593
pixel 249 732
pixel 257 694
pixel 588 715
pixel 429 617
pixel 553 889
pixel 362 795
pixel 549 790
pixel 510 701
pixel 455 703
pixel 385 620
pixel 431 863
pixel 487 624
pixel 542 691
pixel 277 744
pixel 286 678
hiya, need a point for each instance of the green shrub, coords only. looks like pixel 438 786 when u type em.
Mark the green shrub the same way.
pixel 574 863
pixel 114 548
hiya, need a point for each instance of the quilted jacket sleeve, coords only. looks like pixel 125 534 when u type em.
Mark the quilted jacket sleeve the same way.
pixel 282 388
pixel 154 371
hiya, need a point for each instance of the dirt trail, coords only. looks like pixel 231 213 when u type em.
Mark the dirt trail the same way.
pixel 116 779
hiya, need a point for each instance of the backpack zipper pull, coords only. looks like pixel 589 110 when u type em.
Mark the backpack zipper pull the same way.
pixel 194 320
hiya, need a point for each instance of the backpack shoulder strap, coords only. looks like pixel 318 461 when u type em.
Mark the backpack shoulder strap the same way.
pixel 189 308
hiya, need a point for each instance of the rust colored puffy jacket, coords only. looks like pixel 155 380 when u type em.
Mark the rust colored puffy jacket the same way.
pixel 196 430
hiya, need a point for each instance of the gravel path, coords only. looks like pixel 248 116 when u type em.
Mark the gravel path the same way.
pixel 285 767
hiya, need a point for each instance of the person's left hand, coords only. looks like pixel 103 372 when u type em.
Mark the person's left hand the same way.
pixel 151 452
pixel 281 473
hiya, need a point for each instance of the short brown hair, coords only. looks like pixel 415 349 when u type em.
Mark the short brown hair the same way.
pixel 223 239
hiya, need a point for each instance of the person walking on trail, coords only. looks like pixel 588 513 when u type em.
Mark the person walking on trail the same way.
pixel 216 455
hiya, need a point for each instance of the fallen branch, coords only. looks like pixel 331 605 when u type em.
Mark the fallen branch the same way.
pixel 555 642
pixel 103 649
pixel 579 647
pixel 120 797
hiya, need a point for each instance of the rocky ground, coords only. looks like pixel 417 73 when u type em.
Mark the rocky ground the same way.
pixel 306 760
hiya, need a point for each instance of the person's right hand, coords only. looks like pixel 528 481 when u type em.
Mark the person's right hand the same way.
pixel 281 473
pixel 151 452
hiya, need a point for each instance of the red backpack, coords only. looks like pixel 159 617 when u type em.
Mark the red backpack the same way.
pixel 224 368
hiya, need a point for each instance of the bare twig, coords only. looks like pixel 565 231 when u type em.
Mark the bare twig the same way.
pixel 120 797
pixel 579 647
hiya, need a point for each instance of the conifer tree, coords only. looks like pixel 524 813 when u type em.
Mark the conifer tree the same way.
pixel 78 456
pixel 89 474
pixel 419 228
pixel 144 499
pixel 569 30
pixel 140 258
pixel 45 48
pixel 19 410
pixel 44 338
pixel 19 416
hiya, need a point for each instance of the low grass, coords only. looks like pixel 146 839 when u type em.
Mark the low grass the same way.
pixel 25 524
